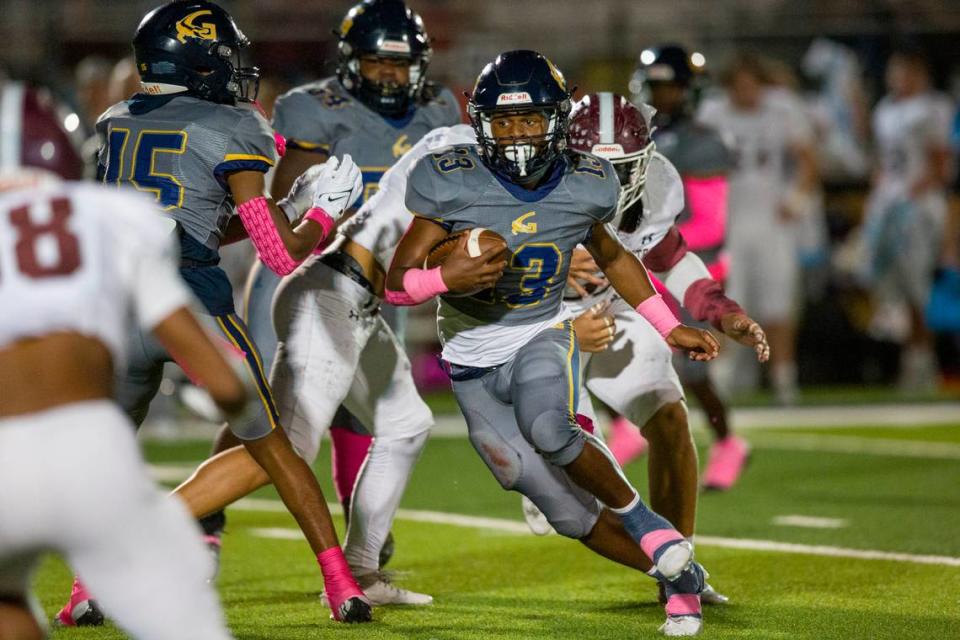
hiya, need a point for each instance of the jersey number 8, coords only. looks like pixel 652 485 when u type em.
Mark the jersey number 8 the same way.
pixel 143 159
pixel 54 233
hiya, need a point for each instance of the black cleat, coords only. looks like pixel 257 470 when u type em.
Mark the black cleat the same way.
pixel 355 610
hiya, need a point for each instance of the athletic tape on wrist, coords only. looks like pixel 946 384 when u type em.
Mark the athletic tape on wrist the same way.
pixel 419 285
pixel 256 218
pixel 657 313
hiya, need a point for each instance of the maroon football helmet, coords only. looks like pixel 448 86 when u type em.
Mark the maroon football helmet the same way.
pixel 33 141
pixel 609 126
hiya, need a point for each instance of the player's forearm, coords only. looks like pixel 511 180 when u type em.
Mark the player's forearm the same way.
pixel 629 277
pixel 279 246
pixel 690 282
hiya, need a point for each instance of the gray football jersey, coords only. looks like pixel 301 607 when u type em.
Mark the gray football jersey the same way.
pixel 324 116
pixel 455 189
pixel 181 150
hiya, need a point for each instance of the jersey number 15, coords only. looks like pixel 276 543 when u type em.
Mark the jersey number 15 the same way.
pixel 140 163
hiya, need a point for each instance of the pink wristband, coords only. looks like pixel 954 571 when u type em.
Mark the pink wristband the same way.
pixel 657 313
pixel 419 285
pixel 323 219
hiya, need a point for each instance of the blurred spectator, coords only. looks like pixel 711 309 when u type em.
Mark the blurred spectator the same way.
pixel 771 185
pixel 903 225
pixel 840 108
pixel 124 80
pixel 92 80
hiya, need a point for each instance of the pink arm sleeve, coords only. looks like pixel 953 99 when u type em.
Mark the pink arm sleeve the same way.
pixel 419 285
pixel 707 200
pixel 705 300
pixel 256 218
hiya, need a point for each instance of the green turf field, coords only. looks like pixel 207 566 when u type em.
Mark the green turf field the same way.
pixel 890 490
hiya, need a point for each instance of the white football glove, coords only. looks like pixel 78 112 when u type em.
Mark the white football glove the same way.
pixel 339 184
pixel 302 193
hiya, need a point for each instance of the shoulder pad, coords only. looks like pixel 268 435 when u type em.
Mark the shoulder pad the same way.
pixel 445 181
pixel 308 115
pixel 593 182
pixel 442 100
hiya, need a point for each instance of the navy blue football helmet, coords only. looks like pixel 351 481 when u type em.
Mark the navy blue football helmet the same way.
pixel 520 82
pixel 194 46
pixel 669 63
pixel 385 29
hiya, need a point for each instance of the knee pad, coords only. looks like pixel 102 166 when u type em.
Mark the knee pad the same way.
pixel 554 437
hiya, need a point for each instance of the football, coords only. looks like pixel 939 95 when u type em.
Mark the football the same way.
pixel 478 241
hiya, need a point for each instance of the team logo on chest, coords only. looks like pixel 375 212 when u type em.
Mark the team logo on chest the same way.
pixel 401 146
pixel 520 225
pixel 204 31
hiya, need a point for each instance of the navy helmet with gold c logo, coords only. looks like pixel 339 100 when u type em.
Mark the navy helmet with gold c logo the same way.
pixel 194 46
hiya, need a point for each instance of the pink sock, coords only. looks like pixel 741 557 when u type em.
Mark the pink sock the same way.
pixel 626 443
pixel 338 582
pixel 683 604
pixel 347 455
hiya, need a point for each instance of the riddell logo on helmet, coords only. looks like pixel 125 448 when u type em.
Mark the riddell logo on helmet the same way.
pixel 395 46
pixel 519 97
pixel 607 150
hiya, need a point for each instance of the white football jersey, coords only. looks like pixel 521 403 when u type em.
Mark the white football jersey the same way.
pixel 760 141
pixel 78 257
pixel 383 219
pixel 662 203
pixel 905 131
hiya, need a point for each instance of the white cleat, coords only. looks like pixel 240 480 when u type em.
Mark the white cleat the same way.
pixel 674 560
pixel 380 591
pixel 537 522
pixel 680 626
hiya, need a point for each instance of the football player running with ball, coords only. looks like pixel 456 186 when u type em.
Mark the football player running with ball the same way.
pixel 631 368
pixel 194 141
pixel 507 338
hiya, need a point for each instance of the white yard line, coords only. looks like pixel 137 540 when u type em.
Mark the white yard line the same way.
pixel 857 445
pixel 178 472
pixel 516 527
pixel 809 522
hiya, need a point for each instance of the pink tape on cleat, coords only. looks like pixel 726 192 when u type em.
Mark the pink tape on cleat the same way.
pixel 71 614
pixel 626 443
pixel 651 542
pixel 683 604
pixel 726 462
pixel 340 588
